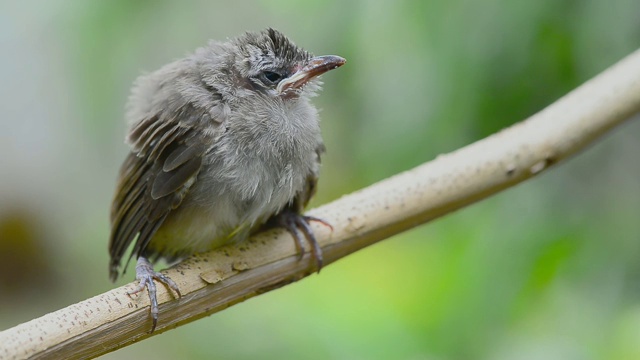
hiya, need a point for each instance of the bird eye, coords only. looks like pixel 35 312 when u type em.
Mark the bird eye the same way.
pixel 273 77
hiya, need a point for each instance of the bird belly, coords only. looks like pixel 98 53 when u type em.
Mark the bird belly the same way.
pixel 218 218
pixel 195 229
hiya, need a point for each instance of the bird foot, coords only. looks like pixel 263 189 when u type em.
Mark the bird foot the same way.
pixel 146 276
pixel 295 223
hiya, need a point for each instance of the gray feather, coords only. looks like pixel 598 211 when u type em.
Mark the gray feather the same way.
pixel 214 148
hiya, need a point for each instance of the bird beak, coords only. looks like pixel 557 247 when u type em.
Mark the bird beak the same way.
pixel 315 67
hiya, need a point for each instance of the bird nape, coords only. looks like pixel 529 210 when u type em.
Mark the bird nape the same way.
pixel 223 142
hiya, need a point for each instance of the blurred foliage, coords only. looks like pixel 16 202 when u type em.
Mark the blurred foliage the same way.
pixel 21 238
pixel 547 270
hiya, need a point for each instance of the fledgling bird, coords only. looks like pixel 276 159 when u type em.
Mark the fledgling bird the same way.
pixel 222 142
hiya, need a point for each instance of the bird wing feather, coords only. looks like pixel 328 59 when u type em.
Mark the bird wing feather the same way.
pixel 165 160
pixel 302 198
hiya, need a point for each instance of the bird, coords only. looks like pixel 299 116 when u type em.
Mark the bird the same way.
pixel 223 142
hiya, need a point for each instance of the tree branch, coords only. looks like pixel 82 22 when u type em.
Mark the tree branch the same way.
pixel 213 281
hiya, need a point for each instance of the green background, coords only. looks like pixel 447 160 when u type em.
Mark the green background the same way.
pixel 547 270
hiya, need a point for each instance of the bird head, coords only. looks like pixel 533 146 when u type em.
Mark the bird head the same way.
pixel 268 64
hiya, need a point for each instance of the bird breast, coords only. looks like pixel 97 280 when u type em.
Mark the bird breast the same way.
pixel 254 169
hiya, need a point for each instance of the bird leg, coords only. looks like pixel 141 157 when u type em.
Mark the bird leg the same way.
pixel 145 276
pixel 295 223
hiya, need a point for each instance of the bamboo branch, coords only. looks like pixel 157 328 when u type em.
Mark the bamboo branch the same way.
pixel 213 281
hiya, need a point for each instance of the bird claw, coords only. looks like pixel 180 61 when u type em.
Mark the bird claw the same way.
pixel 146 276
pixel 294 223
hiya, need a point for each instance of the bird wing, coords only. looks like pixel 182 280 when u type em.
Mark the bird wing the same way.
pixel 303 197
pixel 165 160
